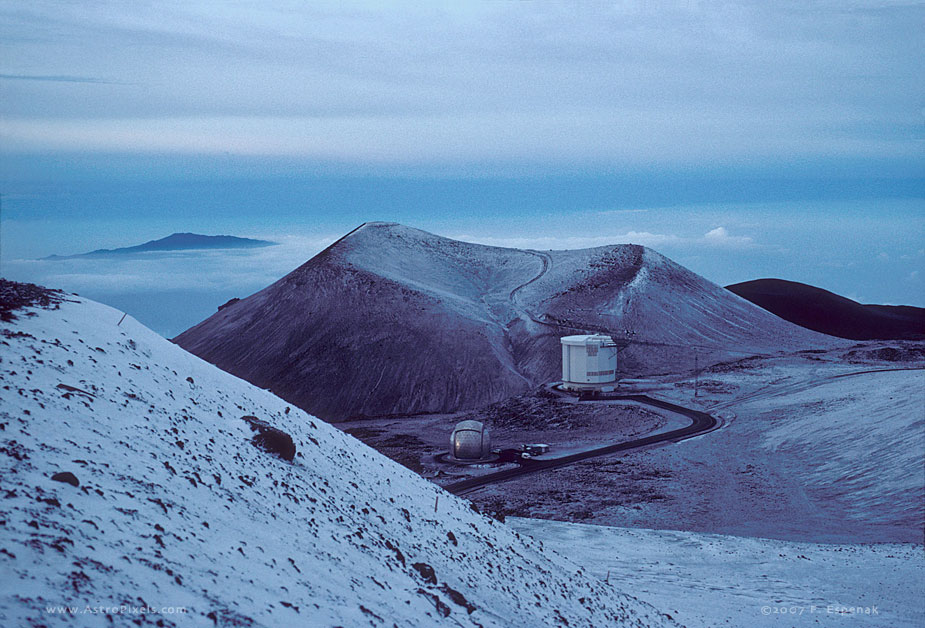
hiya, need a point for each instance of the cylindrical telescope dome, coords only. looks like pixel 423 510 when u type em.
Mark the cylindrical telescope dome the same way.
pixel 590 359
pixel 470 441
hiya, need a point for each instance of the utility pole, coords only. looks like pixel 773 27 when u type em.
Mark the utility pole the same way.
pixel 696 372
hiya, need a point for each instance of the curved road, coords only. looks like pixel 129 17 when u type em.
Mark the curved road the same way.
pixel 547 260
pixel 700 422
pixel 565 325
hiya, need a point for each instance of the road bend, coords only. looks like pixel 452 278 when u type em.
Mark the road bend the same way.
pixel 701 422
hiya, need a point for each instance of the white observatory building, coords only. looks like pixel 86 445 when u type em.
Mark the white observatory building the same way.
pixel 470 441
pixel 589 362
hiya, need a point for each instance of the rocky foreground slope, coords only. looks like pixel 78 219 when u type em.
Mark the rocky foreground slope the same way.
pixel 393 320
pixel 135 490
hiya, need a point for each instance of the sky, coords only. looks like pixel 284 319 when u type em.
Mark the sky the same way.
pixel 742 139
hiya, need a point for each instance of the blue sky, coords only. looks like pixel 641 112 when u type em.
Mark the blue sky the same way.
pixel 742 139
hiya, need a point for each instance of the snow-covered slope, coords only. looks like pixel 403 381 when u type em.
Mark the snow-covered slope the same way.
pixel 856 442
pixel 177 508
pixel 393 320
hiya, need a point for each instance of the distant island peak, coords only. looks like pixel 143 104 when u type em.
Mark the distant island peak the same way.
pixel 176 242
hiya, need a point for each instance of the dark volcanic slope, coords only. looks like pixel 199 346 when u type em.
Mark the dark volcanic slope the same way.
pixel 393 320
pixel 177 242
pixel 829 313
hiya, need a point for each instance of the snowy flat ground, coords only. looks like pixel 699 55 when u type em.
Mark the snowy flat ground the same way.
pixel 707 580
pixel 849 437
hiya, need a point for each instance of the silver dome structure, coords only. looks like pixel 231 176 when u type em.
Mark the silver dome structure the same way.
pixel 470 441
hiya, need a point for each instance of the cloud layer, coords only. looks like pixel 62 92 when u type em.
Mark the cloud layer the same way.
pixel 220 270
pixel 536 84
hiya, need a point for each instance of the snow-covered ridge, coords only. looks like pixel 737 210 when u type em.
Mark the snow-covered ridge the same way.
pixel 176 508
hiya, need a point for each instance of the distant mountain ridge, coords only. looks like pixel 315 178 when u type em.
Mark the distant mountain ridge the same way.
pixel 176 242
pixel 394 320
pixel 829 313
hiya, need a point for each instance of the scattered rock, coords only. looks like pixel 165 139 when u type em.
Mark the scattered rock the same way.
pixel 426 571
pixel 79 581
pixel 370 613
pixel 458 598
pixel 442 608
pixel 14 450
pixel 160 503
pixel 228 617
pixel 228 303
pixel 902 353
pixel 398 555
pixel 67 477
pixel 79 391
pixel 15 295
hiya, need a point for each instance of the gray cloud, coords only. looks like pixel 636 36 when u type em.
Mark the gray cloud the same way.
pixel 593 83
pixel 55 78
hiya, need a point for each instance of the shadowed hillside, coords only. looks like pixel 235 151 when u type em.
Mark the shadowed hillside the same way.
pixel 829 313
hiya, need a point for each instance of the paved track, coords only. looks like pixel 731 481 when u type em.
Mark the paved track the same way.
pixel 547 262
pixel 700 422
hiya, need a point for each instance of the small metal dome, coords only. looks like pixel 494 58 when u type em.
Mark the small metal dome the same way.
pixel 470 441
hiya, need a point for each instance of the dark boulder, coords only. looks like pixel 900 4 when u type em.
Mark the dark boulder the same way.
pixel 67 477
pixel 458 598
pixel 270 439
pixel 426 571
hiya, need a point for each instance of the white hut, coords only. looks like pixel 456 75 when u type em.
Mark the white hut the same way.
pixel 589 362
